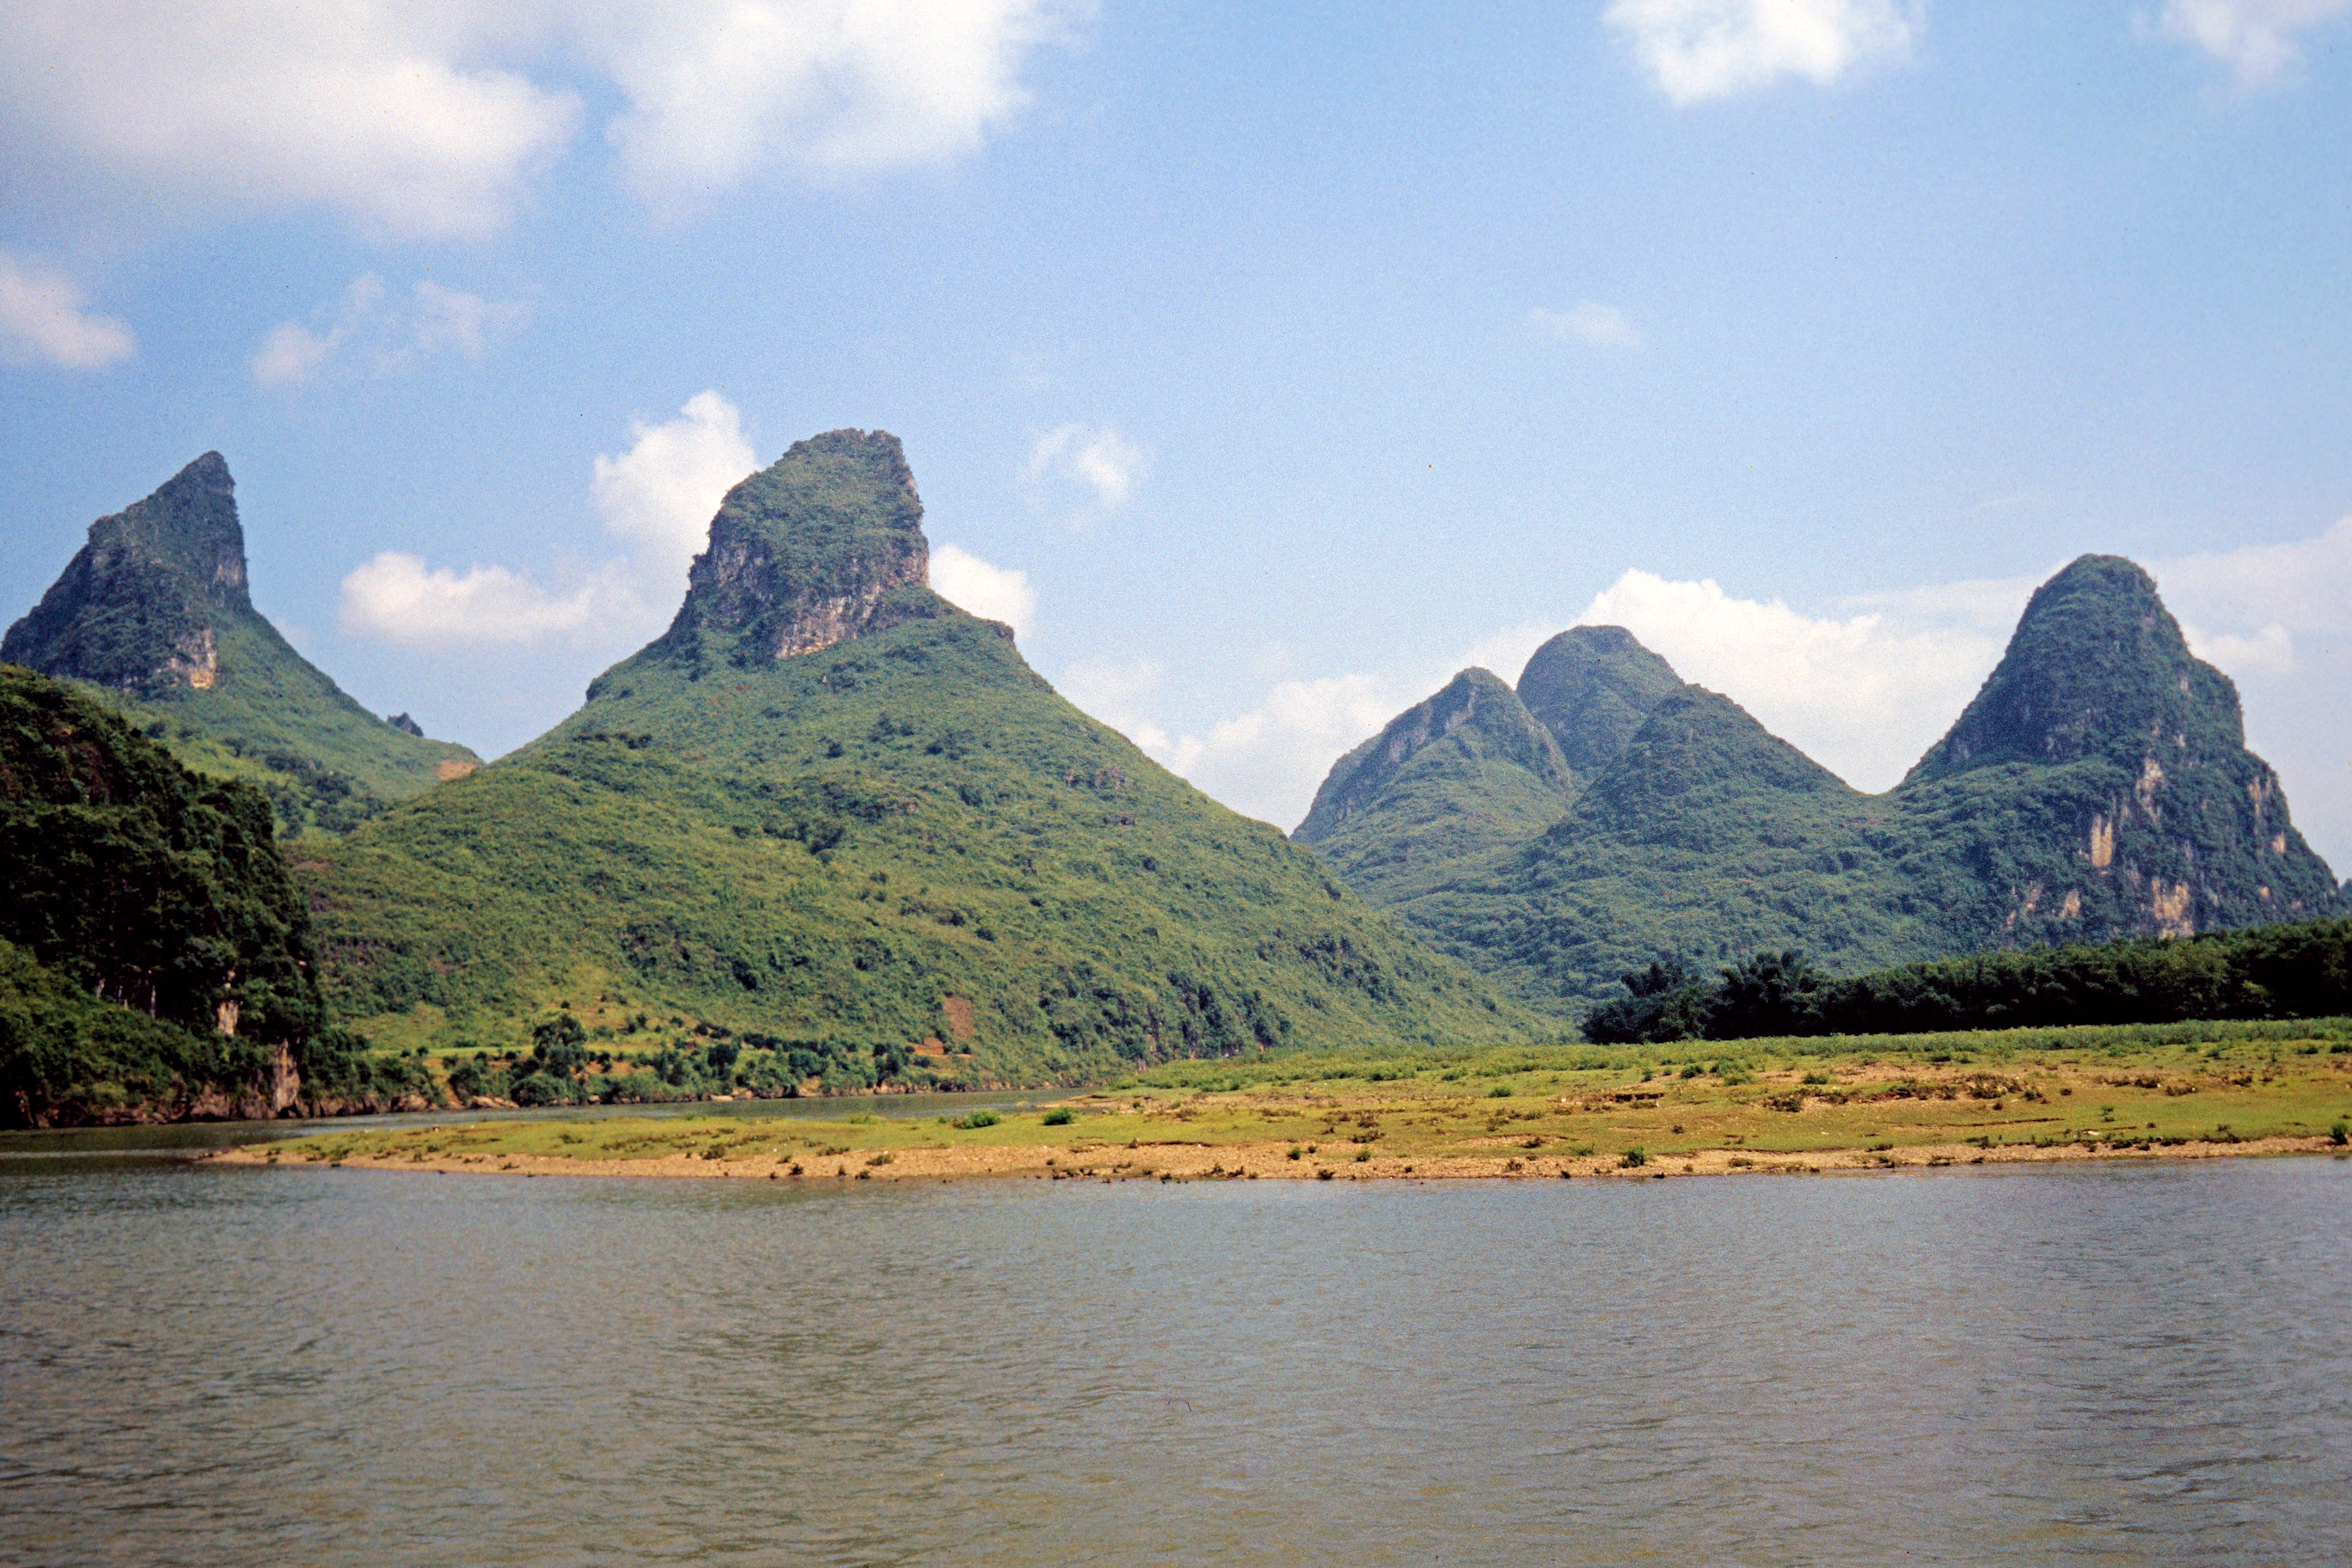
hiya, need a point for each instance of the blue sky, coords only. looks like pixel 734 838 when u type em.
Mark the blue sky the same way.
pixel 1264 368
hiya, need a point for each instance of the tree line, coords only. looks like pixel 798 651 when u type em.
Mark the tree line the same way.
pixel 2300 971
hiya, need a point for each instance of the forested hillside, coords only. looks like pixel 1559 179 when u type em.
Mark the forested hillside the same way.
pixel 154 960
pixel 829 810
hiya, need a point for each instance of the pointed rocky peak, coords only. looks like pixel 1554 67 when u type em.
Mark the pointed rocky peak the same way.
pixel 137 606
pixel 1592 687
pixel 825 545
pixel 2098 667
pixel 1481 716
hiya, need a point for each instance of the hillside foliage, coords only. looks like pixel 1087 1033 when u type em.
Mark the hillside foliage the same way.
pixel 2298 971
pixel 152 934
pixel 2097 788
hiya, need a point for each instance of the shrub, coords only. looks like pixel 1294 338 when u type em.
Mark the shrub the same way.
pixel 2339 1134
pixel 1500 1092
pixel 1634 1158
pixel 1060 1116
pixel 975 1119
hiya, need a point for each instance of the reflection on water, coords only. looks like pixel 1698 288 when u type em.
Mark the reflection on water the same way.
pixel 2105 1365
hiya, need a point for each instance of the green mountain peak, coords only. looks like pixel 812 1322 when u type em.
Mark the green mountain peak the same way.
pixel 830 809
pixel 1475 712
pixel 2096 668
pixel 1592 687
pixel 1462 772
pixel 136 607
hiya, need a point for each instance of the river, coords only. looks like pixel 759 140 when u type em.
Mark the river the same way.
pixel 2087 1364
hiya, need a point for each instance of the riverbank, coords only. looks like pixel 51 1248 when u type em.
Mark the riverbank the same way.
pixel 1502 1115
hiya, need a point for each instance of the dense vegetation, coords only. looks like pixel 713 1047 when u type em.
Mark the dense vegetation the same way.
pixel 153 614
pixel 901 859
pixel 2098 787
pixel 155 949
pixel 2301 971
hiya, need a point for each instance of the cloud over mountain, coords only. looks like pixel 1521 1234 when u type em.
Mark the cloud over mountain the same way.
pixel 657 497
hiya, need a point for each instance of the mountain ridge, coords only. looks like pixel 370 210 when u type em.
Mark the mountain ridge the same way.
pixel 2096 786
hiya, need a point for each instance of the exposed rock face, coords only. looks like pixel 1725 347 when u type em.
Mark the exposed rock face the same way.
pixel 135 608
pixel 825 545
pixel 2100 723
pixel 1592 687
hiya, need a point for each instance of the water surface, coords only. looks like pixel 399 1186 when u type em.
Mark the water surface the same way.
pixel 2095 1365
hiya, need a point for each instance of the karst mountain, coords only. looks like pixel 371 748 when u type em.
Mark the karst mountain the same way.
pixel 153 614
pixel 1604 811
pixel 828 806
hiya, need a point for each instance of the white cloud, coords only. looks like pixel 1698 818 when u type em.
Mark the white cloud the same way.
pixel 399 599
pixel 719 88
pixel 1084 470
pixel 2303 585
pixel 1696 49
pixel 364 107
pixel 1863 695
pixel 430 120
pixel 42 322
pixel 1603 326
pixel 1264 763
pixel 2255 38
pixel 661 493
pixel 657 497
pixel 993 593
pixel 368 333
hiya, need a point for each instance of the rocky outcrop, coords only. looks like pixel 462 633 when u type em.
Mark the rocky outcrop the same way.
pixel 135 608
pixel 825 545
pixel 154 610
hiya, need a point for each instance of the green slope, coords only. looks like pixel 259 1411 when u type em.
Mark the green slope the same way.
pixel 1465 772
pixel 2097 788
pixel 153 614
pixel 900 836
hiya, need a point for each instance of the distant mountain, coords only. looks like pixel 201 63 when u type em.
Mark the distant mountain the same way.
pixel 829 811
pixel 1468 770
pixel 154 613
pixel 2098 787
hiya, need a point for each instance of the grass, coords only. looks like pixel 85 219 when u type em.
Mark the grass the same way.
pixel 1869 1100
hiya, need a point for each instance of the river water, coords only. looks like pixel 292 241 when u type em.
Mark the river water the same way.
pixel 2093 1364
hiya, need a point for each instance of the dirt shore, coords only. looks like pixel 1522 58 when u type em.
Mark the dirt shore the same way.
pixel 1175 1162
